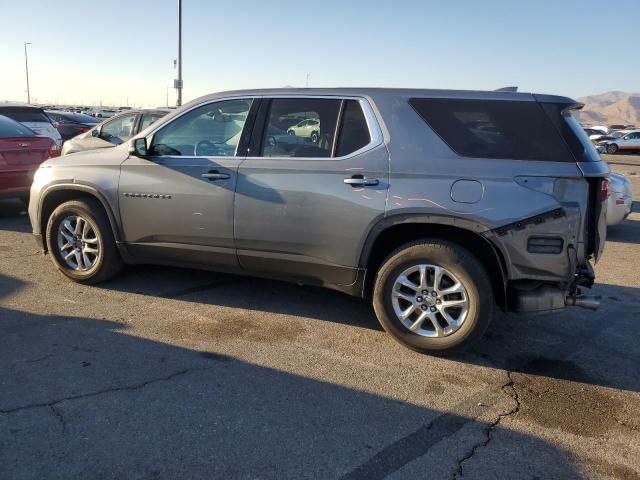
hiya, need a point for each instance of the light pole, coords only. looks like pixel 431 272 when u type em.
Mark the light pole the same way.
pixel 178 83
pixel 26 67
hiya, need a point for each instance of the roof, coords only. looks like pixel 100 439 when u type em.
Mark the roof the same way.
pixel 382 92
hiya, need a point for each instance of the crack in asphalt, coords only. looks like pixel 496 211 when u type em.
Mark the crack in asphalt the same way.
pixel 491 427
pixel 106 390
pixel 58 414
pixel 35 360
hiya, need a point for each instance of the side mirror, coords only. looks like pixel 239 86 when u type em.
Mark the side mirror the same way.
pixel 95 132
pixel 138 147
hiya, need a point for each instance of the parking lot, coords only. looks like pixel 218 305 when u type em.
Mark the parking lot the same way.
pixel 174 373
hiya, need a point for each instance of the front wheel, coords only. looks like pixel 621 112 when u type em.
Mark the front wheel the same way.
pixel 612 148
pixel 433 296
pixel 81 242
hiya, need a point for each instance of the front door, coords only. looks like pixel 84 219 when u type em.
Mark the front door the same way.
pixel 177 204
pixel 305 202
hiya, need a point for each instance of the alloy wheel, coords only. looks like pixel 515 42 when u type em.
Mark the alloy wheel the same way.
pixel 78 244
pixel 430 300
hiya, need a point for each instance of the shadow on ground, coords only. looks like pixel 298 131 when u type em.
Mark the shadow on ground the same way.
pixel 82 398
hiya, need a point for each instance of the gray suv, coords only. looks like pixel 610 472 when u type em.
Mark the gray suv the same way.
pixel 435 205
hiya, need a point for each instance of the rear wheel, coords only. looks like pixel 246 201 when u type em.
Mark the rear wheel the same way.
pixel 81 242
pixel 433 296
pixel 612 148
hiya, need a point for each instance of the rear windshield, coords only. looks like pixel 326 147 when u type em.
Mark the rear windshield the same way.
pixel 25 114
pixel 11 128
pixel 79 118
pixel 518 130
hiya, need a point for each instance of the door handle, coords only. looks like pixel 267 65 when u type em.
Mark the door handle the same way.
pixel 361 181
pixel 214 175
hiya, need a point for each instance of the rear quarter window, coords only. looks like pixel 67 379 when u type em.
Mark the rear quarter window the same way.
pixel 501 129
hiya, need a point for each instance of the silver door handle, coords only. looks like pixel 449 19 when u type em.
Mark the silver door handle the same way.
pixel 216 176
pixel 361 181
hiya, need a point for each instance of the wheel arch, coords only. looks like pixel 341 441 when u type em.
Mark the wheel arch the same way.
pixel 392 232
pixel 60 193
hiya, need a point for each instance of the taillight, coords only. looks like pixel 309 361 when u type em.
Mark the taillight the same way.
pixel 54 151
pixel 604 189
pixel 82 129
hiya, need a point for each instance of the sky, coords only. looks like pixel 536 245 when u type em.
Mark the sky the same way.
pixel 121 52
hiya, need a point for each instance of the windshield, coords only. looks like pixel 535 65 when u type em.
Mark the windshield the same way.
pixel 617 134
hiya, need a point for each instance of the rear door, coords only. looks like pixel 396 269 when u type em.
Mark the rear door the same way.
pixel 302 204
pixel 177 204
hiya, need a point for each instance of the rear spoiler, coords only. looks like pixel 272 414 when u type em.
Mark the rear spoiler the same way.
pixel 507 89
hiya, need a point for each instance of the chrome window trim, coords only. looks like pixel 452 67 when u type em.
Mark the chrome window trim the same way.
pixel 375 131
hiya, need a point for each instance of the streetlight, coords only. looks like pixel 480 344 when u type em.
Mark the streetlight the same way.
pixel 26 66
pixel 178 82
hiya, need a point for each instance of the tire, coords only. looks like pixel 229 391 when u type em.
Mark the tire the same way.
pixel 315 136
pixel 291 132
pixel 457 267
pixel 104 265
pixel 612 148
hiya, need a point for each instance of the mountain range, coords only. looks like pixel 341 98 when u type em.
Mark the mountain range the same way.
pixel 610 108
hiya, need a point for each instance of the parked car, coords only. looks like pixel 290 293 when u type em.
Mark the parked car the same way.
pixel 629 141
pixel 21 152
pixel 105 113
pixel 486 202
pixel 114 131
pixel 309 128
pixel 620 200
pixel 594 135
pixel 32 117
pixel 70 124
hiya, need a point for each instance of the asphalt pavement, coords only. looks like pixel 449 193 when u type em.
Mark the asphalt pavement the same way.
pixel 169 373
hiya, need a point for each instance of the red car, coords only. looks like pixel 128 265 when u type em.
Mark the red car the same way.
pixel 21 152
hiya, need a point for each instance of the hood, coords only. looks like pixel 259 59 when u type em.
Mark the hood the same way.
pixel 102 156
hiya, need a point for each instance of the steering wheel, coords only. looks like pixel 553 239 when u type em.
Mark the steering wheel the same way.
pixel 205 148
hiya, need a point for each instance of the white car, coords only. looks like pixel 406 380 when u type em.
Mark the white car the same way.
pixel 626 143
pixel 309 128
pixel 104 113
pixel 620 200
pixel 32 117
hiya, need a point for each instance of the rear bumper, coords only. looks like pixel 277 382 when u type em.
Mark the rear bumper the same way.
pixel 549 298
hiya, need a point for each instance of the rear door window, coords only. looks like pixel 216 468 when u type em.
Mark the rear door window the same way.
pixel 313 128
pixel 300 127
pixel 518 130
